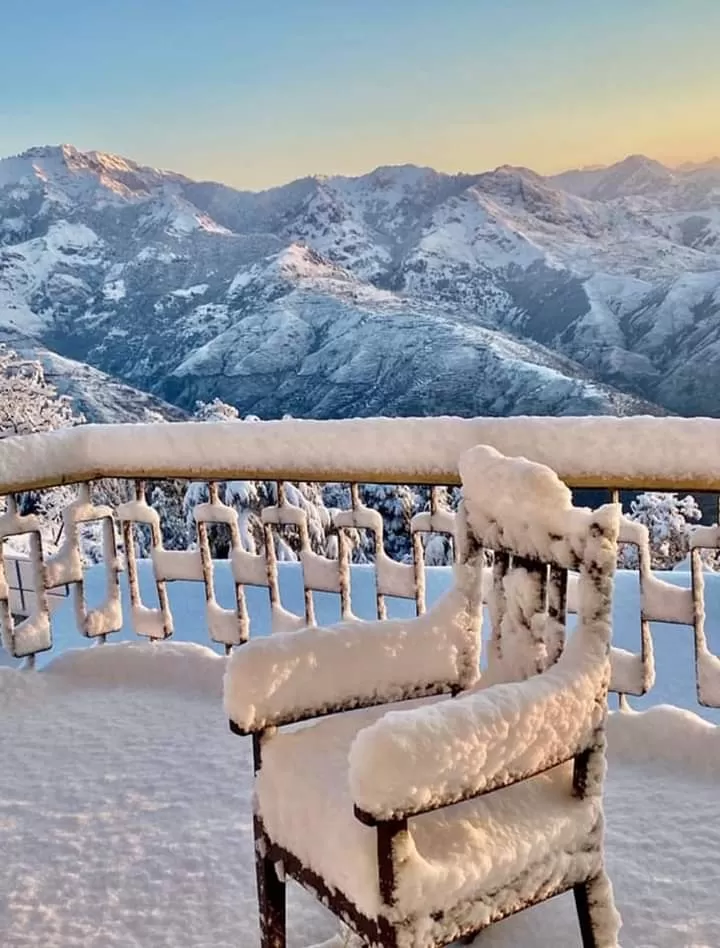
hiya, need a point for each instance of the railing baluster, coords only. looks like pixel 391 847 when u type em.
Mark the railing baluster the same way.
pixel 660 602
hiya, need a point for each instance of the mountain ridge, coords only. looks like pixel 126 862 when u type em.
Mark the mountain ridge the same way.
pixel 114 161
pixel 593 290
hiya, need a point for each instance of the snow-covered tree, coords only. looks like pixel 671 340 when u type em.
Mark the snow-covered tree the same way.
pixel 249 498
pixel 438 550
pixel 439 547
pixel 668 519
pixel 397 504
pixel 28 402
pixel 215 410
pixel 167 499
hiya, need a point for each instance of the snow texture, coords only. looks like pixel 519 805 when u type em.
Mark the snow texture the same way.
pixel 125 816
pixel 353 663
pixel 446 752
pixel 521 505
pixel 413 760
pixel 480 845
pixel 646 450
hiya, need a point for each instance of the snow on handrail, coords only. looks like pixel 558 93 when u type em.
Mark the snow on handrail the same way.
pixel 593 451
pixel 639 452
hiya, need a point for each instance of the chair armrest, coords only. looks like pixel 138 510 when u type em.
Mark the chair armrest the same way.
pixel 410 762
pixel 290 677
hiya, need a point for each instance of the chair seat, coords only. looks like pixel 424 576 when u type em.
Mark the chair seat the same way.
pixel 529 837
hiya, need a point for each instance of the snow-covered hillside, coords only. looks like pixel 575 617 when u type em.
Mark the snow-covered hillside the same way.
pixel 93 394
pixel 402 291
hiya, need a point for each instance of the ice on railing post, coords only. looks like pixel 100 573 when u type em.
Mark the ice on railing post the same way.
pixel 707 664
pixel 633 673
pixel 557 589
pixel 33 634
pixel 227 627
pixel 291 515
pixel 66 567
pixel 152 623
pixel 391 577
pixel 436 522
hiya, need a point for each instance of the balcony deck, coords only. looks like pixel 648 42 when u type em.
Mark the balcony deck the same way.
pixel 125 816
pixel 124 800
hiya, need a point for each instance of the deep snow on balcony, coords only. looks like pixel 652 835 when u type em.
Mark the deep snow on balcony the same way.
pixel 125 803
pixel 125 815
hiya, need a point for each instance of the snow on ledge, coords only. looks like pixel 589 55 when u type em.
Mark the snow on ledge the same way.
pixel 673 453
pixel 664 734
pixel 668 735
pixel 130 814
pixel 182 667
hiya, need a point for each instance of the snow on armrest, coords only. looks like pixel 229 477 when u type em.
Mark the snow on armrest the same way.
pixel 301 674
pixel 412 761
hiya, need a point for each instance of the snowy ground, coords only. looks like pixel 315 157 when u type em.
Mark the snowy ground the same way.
pixel 125 807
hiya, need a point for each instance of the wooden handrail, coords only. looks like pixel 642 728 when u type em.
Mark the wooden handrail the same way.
pixel 599 451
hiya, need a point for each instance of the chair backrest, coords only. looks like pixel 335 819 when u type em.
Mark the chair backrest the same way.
pixel 523 513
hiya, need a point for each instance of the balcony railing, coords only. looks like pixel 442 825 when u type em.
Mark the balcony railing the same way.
pixel 607 454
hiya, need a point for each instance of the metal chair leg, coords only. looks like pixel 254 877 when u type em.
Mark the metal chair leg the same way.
pixel 596 913
pixel 271 897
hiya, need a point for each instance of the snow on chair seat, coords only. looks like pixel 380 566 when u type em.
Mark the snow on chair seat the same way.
pixel 425 822
pixel 451 856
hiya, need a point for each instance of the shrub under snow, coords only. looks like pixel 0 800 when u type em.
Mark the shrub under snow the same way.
pixel 668 519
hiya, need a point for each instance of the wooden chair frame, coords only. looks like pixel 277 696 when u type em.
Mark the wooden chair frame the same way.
pixel 274 862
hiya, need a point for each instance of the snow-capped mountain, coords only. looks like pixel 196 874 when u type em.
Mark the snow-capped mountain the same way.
pixel 401 291
pixel 638 176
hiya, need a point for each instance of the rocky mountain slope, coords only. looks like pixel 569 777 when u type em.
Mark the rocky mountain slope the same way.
pixel 403 291
pixel 96 396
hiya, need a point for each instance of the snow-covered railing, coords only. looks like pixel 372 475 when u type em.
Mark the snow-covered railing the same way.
pixel 655 453
pixel 607 453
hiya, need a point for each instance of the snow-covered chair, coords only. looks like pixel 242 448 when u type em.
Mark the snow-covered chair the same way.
pixel 426 822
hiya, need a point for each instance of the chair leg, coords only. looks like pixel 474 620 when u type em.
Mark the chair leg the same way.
pixel 599 921
pixel 271 902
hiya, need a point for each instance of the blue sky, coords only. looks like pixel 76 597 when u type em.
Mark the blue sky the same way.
pixel 258 93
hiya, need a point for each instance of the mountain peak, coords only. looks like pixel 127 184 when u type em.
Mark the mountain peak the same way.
pixel 512 176
pixel 634 175
pixel 386 177
pixel 43 151
pixel 70 153
pixel 64 152
pixel 408 170
pixel 638 161
pixel 519 170
pixel 67 173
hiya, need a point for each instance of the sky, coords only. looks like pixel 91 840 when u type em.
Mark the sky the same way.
pixel 259 93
